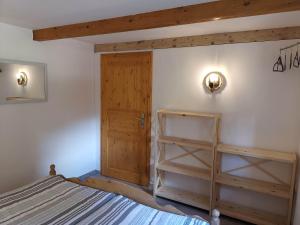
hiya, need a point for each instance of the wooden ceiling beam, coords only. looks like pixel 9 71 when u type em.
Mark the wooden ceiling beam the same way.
pixel 287 33
pixel 217 10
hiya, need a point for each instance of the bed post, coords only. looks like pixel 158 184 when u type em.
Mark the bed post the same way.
pixel 215 219
pixel 52 170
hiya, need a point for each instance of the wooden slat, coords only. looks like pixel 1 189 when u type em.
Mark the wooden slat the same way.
pixel 170 17
pixel 279 156
pixel 192 154
pixel 189 198
pixel 276 34
pixel 216 138
pixel 186 142
pixel 265 171
pixel 186 170
pixel 185 154
pixel 292 192
pixel 254 164
pixel 250 215
pixel 190 114
pixel 278 190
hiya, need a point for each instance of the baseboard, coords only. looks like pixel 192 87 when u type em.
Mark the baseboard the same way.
pixel 89 174
pixel 97 173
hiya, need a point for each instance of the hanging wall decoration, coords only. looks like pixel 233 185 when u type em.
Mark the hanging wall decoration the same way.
pixel 288 58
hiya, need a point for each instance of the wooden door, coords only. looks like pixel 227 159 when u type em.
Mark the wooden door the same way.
pixel 126 81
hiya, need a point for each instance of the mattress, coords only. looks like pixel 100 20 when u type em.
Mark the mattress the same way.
pixel 53 200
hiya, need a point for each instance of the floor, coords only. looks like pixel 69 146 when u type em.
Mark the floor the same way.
pixel 184 208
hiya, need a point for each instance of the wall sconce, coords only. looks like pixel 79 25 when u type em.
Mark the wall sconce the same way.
pixel 22 79
pixel 22 82
pixel 214 81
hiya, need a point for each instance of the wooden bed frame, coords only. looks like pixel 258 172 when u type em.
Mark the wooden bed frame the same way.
pixel 136 194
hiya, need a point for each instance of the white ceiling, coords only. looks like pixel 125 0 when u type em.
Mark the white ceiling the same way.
pixel 34 14
pixel 230 25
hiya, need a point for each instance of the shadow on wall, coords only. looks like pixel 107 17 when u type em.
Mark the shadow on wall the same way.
pixel 34 135
pixel 72 148
pixel 30 143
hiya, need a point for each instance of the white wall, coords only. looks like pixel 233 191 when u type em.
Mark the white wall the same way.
pixel 63 129
pixel 259 108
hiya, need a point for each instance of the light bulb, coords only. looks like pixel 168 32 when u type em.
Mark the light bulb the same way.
pixel 22 79
pixel 214 78
pixel 214 81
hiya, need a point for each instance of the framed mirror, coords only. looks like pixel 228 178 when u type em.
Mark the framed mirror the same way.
pixel 22 82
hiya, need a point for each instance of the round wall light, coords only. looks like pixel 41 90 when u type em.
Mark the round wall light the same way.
pixel 22 79
pixel 214 81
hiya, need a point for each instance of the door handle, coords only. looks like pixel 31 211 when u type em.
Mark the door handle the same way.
pixel 142 120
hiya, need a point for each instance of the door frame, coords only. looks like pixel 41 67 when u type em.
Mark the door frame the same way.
pixel 149 111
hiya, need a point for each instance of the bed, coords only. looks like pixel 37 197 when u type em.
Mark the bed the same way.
pixel 57 200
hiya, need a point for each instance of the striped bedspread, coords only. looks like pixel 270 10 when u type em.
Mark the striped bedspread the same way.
pixel 53 200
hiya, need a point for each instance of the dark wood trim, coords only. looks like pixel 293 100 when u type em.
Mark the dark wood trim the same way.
pixel 217 10
pixel 149 124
